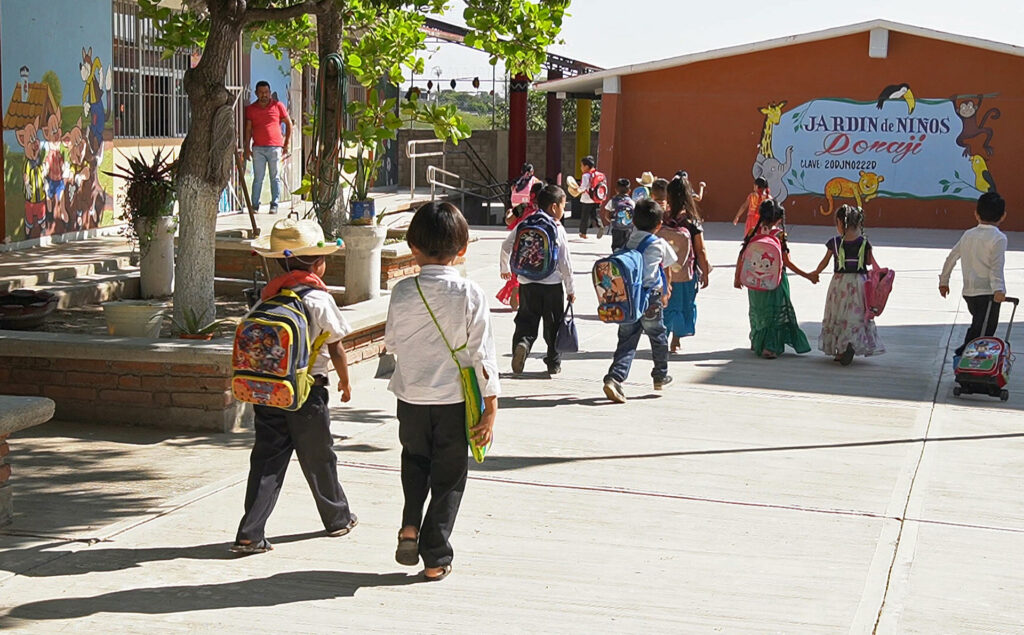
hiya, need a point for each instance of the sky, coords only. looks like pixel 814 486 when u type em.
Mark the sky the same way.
pixel 612 33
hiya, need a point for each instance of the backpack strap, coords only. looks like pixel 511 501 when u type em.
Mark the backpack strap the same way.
pixel 451 350
pixel 642 247
pixel 300 294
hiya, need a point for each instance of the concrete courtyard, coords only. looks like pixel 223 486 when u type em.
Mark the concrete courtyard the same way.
pixel 792 495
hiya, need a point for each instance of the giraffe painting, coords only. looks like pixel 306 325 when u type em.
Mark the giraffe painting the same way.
pixel 772 116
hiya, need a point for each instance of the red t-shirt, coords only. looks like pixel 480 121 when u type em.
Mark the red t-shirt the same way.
pixel 266 123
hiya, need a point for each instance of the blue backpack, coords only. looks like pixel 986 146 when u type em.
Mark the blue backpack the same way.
pixel 535 247
pixel 622 214
pixel 618 281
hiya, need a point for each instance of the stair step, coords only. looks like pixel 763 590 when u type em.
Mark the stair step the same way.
pixel 36 275
pixel 93 289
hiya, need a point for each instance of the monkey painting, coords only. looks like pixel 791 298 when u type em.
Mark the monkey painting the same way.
pixel 975 136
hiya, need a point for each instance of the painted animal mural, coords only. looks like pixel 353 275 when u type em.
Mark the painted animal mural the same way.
pixel 91 70
pixel 33 179
pixel 772 116
pixel 54 149
pixel 975 136
pixel 83 196
pixel 772 170
pixel 862 190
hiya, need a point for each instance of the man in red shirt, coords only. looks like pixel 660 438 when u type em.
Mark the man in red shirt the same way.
pixel 264 143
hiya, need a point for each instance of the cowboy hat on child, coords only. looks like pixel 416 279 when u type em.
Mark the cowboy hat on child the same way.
pixel 646 179
pixel 290 238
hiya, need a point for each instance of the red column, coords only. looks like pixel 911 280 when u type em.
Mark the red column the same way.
pixel 553 168
pixel 517 124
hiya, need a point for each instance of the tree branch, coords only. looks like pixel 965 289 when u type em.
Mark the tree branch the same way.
pixel 284 13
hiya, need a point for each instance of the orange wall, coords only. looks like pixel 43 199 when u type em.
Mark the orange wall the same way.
pixel 704 118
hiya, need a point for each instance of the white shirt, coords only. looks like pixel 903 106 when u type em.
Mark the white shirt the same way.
pixel 658 254
pixel 585 188
pixel 324 317
pixel 982 254
pixel 424 370
pixel 563 268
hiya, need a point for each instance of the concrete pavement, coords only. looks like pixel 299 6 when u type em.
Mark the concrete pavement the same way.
pixel 772 496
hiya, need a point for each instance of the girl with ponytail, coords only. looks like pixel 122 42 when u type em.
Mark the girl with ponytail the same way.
pixel 682 229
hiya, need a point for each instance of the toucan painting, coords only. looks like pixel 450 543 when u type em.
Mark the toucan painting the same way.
pixel 897 91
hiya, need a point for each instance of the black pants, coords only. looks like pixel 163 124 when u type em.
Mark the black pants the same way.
pixel 539 302
pixel 619 237
pixel 978 305
pixel 434 461
pixel 308 432
pixel 588 217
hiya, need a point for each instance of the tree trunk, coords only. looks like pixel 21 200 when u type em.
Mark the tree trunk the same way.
pixel 204 165
pixel 330 30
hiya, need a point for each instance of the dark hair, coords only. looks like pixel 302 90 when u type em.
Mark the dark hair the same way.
pixel 527 167
pixel 588 161
pixel 550 195
pixel 770 212
pixel 537 187
pixel 647 215
pixel 262 83
pixel 680 199
pixel 761 182
pixel 659 185
pixel 850 216
pixel 297 263
pixel 623 182
pixel 991 207
pixel 682 174
pixel 438 230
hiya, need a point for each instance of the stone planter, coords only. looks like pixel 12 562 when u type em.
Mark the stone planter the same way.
pixel 156 250
pixel 363 245
pixel 135 318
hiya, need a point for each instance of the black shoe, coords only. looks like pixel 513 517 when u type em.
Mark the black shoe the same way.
pixel 273 209
pixel 554 369
pixel 847 357
pixel 661 382
pixel 519 355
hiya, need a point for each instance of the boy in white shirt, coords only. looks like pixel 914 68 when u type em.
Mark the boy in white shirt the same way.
pixel 541 300
pixel 982 253
pixel 657 256
pixel 431 408
pixel 299 248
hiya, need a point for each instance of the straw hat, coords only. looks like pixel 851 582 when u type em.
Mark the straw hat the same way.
pixel 572 186
pixel 646 179
pixel 295 238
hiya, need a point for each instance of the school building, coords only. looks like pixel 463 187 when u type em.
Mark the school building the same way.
pixel 910 123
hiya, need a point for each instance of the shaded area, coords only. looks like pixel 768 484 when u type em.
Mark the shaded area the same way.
pixel 275 590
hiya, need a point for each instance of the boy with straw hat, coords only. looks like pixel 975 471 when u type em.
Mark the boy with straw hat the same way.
pixel 299 248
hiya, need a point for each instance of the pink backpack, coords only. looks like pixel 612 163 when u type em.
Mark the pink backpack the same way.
pixel 761 265
pixel 877 287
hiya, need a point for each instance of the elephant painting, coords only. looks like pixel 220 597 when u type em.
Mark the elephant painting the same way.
pixel 773 171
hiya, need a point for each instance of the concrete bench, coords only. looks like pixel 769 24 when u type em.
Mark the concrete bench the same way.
pixel 17 413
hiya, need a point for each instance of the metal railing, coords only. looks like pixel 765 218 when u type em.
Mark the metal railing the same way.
pixel 433 171
pixel 411 150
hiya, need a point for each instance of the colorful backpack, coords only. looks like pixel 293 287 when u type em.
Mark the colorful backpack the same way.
pixel 761 265
pixel 535 247
pixel 521 190
pixel 681 241
pixel 877 287
pixel 622 215
pixel 618 281
pixel 598 189
pixel 273 357
pixel 640 193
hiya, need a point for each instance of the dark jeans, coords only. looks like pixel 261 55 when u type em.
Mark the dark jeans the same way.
pixel 977 305
pixel 539 302
pixel 653 326
pixel 619 237
pixel 588 217
pixel 434 461
pixel 307 431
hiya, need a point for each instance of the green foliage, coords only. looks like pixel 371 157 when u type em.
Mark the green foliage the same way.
pixel 518 32
pixel 49 77
pixel 193 324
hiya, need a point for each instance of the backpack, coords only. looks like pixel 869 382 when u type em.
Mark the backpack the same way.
pixel 622 215
pixel 618 281
pixel 640 193
pixel 272 357
pixel 535 247
pixel 682 243
pixel 598 190
pixel 761 264
pixel 877 287
pixel 521 190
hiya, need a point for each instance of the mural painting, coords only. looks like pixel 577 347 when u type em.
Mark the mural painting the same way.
pixel 55 144
pixel 893 146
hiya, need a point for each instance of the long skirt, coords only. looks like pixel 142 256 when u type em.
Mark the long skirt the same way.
pixel 845 321
pixel 773 322
pixel 681 312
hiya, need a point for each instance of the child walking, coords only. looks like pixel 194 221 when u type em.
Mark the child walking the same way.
pixel 299 248
pixel 657 255
pixel 753 204
pixel 541 300
pixel 588 206
pixel 982 254
pixel 773 322
pixel 509 294
pixel 846 328
pixel 431 408
pixel 618 214
pixel 686 279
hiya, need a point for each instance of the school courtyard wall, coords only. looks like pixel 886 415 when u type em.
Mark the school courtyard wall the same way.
pixel 706 117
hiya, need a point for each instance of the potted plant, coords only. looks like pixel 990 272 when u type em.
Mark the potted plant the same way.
pixel 195 327
pixel 148 210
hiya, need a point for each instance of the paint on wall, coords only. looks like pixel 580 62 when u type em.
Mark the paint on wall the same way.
pixel 56 116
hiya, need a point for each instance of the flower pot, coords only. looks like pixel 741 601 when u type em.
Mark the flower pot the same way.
pixel 135 318
pixel 362 212
pixel 156 250
pixel 205 337
pixel 363 245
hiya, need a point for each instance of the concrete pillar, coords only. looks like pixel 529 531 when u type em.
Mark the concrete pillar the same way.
pixel 363 245
pixel 583 120
pixel 517 124
pixel 553 168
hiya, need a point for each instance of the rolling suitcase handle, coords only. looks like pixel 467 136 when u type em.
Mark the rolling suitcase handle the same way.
pixel 1009 327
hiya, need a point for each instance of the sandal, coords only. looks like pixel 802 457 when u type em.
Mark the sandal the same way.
pixel 445 570
pixel 847 357
pixel 408 552
pixel 768 355
pixel 248 548
pixel 341 531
